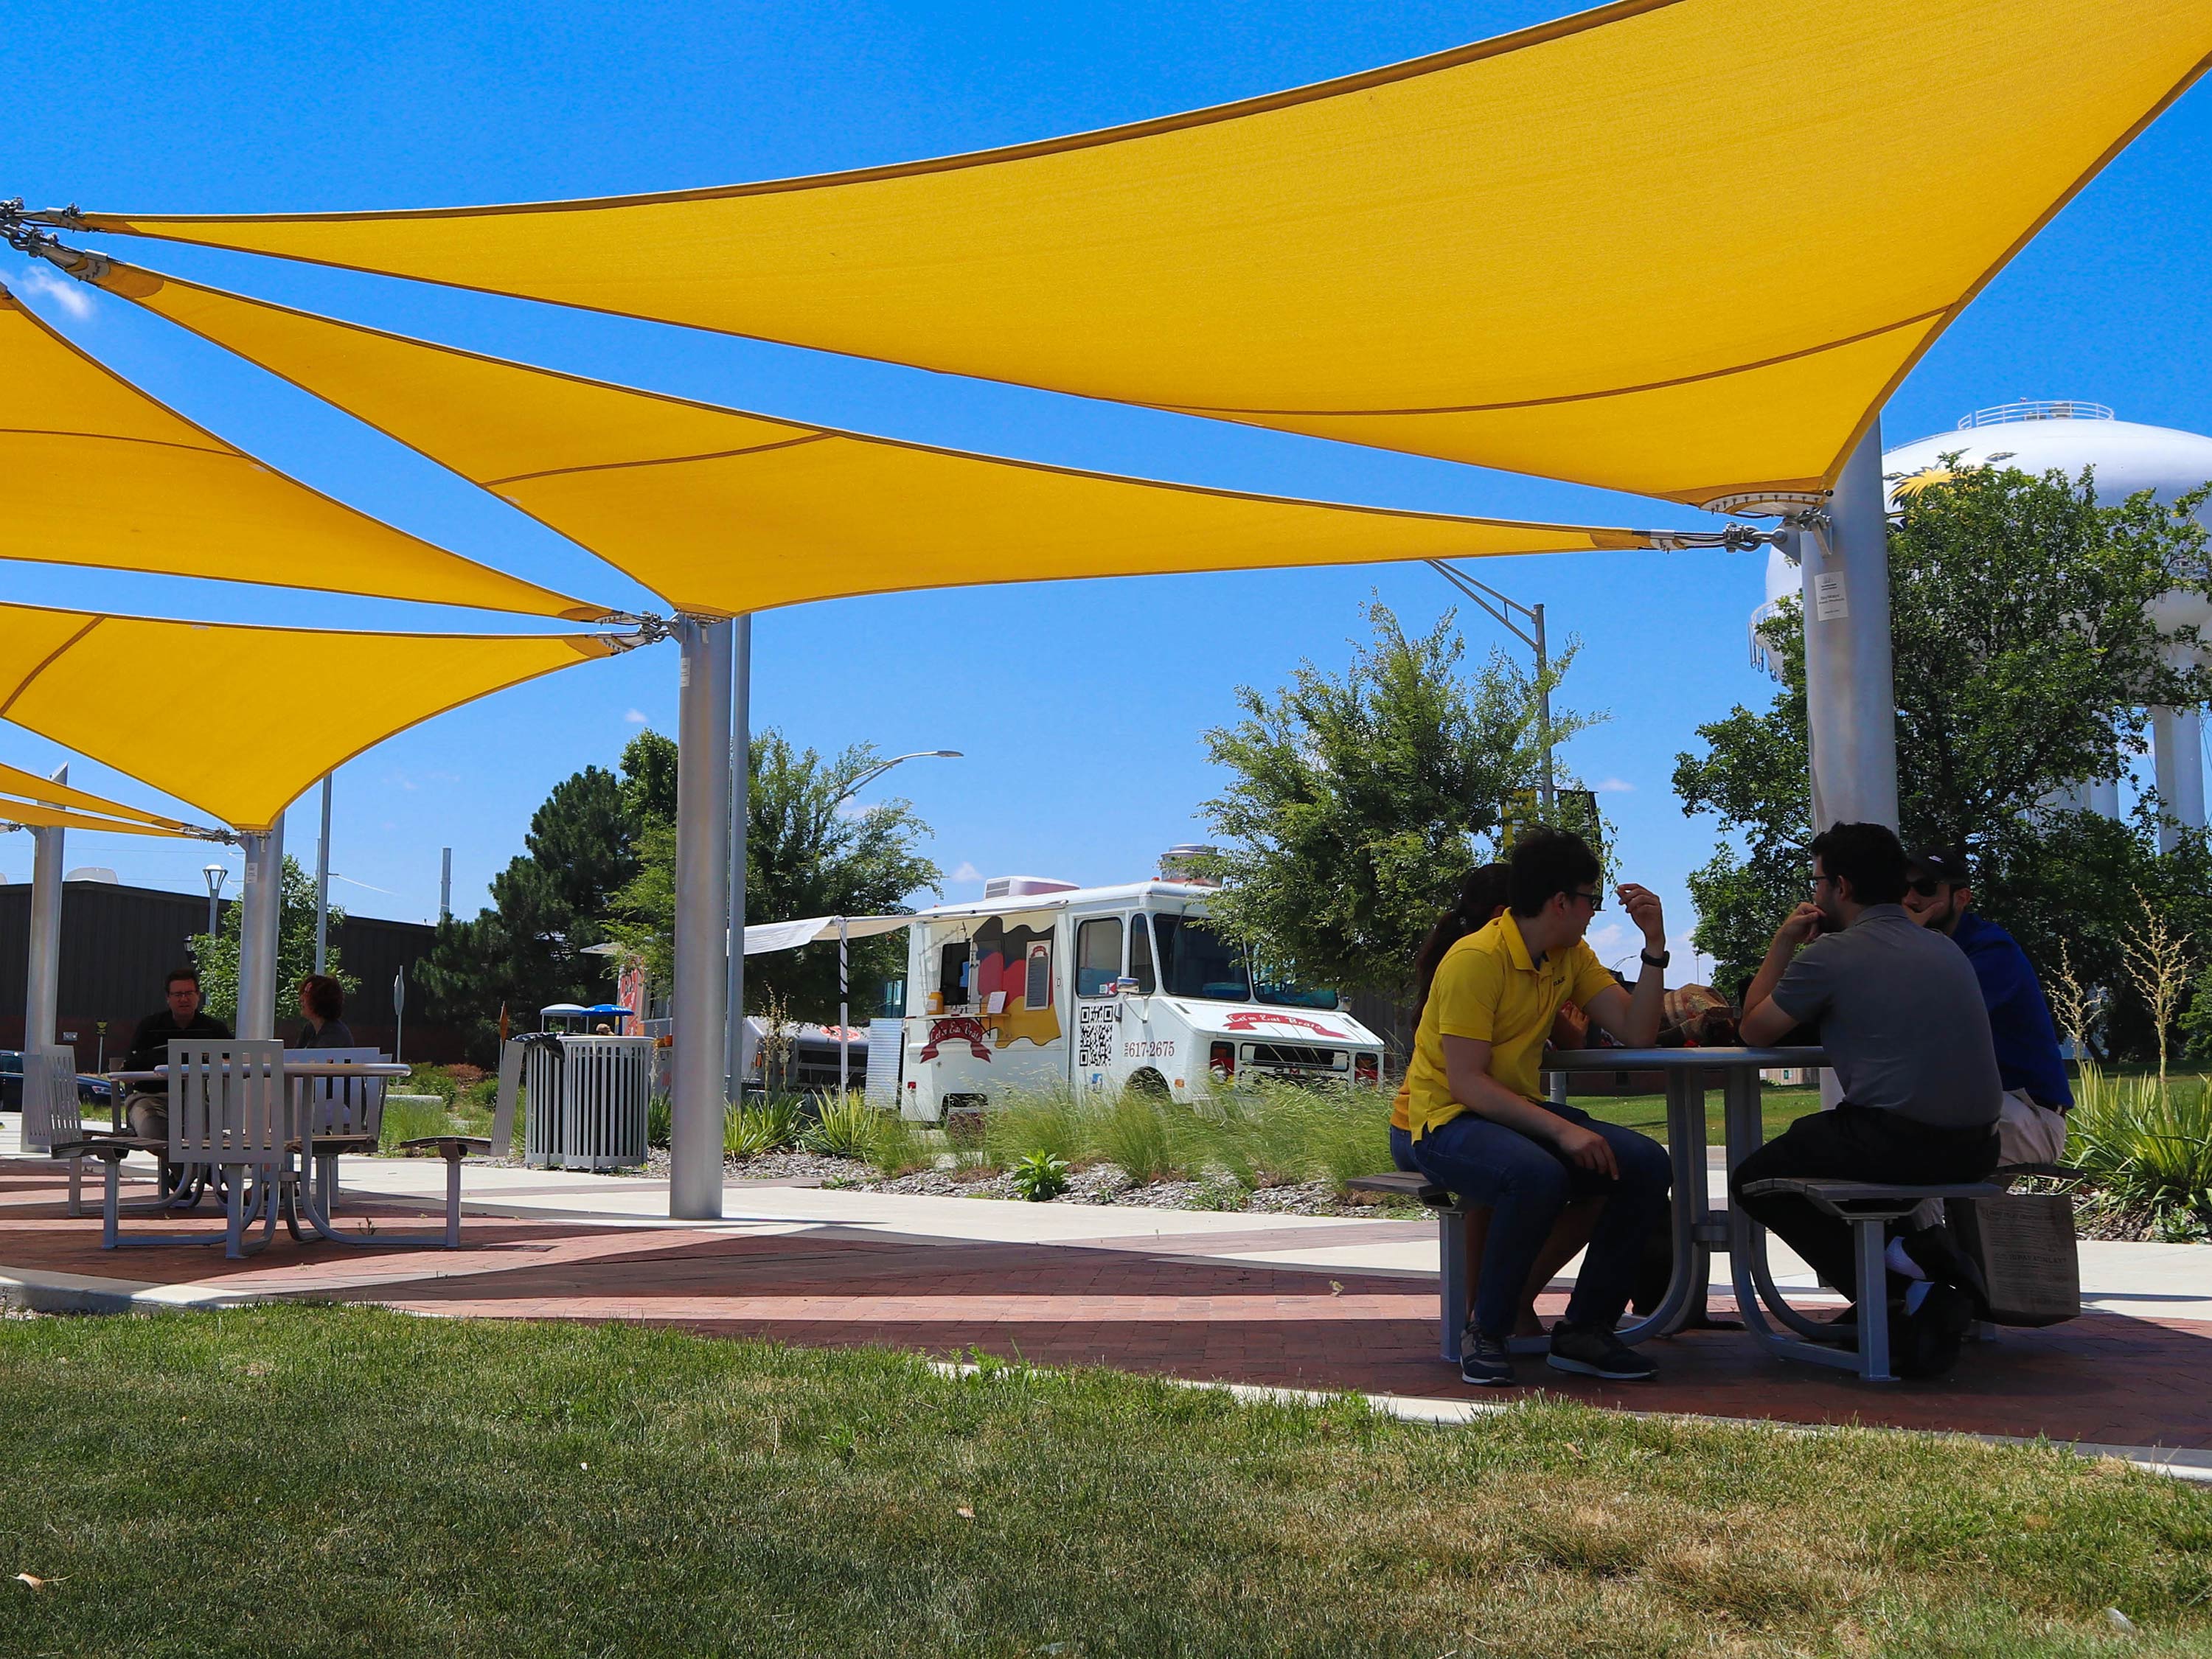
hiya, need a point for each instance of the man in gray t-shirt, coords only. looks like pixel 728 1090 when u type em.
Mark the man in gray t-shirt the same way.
pixel 1905 1029
pixel 1903 1023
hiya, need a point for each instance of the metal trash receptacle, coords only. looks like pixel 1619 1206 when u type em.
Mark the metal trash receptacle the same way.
pixel 586 1100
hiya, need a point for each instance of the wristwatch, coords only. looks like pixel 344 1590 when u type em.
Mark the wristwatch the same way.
pixel 1659 961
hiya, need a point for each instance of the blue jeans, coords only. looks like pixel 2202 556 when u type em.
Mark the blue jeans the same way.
pixel 1401 1150
pixel 1526 1183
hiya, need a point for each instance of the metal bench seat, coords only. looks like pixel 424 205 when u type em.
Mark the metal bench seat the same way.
pixel 1868 1207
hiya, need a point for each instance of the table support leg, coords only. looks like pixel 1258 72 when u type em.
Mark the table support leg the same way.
pixel 1451 1286
pixel 1684 1301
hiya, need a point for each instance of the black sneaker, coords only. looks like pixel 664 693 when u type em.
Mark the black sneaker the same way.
pixel 1484 1361
pixel 1589 1352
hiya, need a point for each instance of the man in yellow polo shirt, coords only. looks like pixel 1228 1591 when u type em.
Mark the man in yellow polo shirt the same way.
pixel 1482 1129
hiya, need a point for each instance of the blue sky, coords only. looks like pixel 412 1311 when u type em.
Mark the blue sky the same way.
pixel 1097 765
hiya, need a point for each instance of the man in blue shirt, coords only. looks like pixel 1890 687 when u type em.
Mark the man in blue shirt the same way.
pixel 2032 1122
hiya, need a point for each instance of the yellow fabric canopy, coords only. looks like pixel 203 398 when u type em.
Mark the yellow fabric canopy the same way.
pixel 722 511
pixel 14 780
pixel 106 476
pixel 315 698
pixel 49 818
pixel 1678 246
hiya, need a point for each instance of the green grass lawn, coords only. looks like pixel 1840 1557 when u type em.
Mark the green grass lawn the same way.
pixel 300 1480
pixel 1778 1107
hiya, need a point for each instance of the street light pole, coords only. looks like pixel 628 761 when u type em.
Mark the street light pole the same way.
pixel 882 767
pixel 214 875
pixel 323 885
pixel 1502 607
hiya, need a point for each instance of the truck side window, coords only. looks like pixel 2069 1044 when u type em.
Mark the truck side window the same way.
pixel 1140 954
pixel 952 973
pixel 1098 955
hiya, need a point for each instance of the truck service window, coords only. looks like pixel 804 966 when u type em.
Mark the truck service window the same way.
pixel 1098 955
pixel 1140 955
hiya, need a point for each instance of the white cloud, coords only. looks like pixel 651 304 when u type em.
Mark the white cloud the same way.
pixel 64 291
pixel 967 871
pixel 636 717
pixel 1614 786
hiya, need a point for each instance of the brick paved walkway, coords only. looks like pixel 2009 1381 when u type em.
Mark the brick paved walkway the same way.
pixel 1156 1304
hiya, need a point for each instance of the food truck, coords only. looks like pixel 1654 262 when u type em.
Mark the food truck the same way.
pixel 1045 985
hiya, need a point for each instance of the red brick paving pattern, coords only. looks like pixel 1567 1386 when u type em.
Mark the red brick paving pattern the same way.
pixel 1152 1305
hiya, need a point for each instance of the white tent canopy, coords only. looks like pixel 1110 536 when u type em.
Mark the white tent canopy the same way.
pixel 790 935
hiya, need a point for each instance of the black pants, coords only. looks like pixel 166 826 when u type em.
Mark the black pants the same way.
pixel 1852 1143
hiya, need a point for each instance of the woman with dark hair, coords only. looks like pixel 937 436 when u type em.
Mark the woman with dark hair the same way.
pixel 1481 900
pixel 322 1000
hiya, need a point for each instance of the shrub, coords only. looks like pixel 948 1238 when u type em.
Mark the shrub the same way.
pixel 1137 1133
pixel 2146 1141
pixel 772 1124
pixel 899 1147
pixel 659 1120
pixel 1040 1176
pixel 847 1127
pixel 1048 1120
pixel 407 1118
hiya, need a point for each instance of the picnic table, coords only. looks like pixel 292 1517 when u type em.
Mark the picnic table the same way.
pixel 1699 1228
pixel 299 1196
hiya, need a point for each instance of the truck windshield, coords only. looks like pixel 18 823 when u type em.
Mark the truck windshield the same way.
pixel 1197 962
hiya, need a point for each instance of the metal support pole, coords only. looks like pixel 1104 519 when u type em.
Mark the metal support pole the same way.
pixel 702 945
pixel 323 885
pixel 844 1016
pixel 43 977
pixel 445 884
pixel 1850 703
pixel 741 685
pixel 260 917
pixel 1544 708
pixel 2177 741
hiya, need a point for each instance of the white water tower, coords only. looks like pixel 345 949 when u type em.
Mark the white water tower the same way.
pixel 2036 437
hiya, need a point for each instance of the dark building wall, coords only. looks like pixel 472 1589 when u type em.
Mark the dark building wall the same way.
pixel 119 942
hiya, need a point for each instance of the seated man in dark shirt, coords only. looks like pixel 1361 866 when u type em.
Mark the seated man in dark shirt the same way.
pixel 1902 1019
pixel 2032 1121
pixel 148 1108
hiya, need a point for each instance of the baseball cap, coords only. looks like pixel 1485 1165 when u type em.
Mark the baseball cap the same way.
pixel 1944 864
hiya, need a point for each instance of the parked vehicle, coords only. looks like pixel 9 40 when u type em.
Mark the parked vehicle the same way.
pixel 90 1091
pixel 1045 984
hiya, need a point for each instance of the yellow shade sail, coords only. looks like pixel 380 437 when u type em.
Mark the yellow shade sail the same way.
pixel 106 476
pixel 315 699
pixel 1678 246
pixel 14 780
pixel 31 816
pixel 721 511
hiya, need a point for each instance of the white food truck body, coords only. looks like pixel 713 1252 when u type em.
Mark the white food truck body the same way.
pixel 1045 986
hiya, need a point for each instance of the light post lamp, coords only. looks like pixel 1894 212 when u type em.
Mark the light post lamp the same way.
pixel 1532 636
pixel 215 874
pixel 844 1010
pixel 882 767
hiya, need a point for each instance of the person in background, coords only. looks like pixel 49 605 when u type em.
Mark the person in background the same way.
pixel 322 1003
pixel 1481 901
pixel 1481 1128
pixel 147 1110
pixel 2032 1119
pixel 1900 1015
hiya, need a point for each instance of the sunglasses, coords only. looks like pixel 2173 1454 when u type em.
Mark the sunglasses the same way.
pixel 1595 901
pixel 1927 886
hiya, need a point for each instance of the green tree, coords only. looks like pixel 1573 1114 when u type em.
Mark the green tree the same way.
pixel 527 950
pixel 2024 654
pixel 1358 802
pixel 807 854
pixel 216 956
